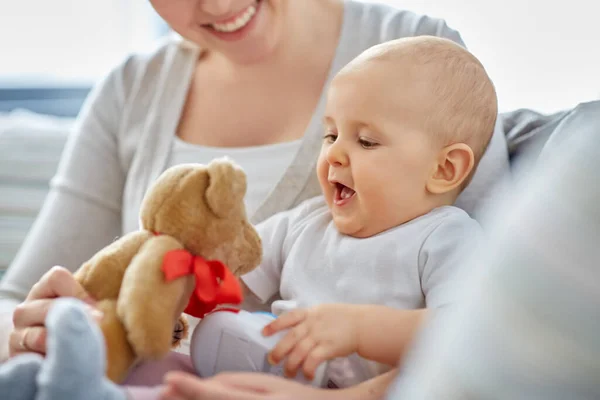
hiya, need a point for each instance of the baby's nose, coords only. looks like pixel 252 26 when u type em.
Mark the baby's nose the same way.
pixel 336 155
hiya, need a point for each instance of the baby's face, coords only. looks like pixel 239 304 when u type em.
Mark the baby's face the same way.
pixel 375 159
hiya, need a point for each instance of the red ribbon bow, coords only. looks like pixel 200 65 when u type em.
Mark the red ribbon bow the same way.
pixel 215 284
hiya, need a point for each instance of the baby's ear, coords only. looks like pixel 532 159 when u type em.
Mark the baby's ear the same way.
pixel 453 167
pixel 226 187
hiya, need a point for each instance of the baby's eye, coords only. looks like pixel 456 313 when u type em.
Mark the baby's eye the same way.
pixel 329 137
pixel 367 144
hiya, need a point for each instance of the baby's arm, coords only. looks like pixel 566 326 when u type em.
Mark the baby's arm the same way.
pixel 384 333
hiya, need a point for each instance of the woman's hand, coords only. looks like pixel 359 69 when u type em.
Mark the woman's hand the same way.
pixel 242 386
pixel 29 334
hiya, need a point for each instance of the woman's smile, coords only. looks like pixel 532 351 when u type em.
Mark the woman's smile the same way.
pixel 235 27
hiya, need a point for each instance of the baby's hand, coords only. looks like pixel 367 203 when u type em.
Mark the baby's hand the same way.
pixel 317 334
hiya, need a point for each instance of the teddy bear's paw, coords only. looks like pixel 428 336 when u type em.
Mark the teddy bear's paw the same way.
pixel 75 363
pixel 18 376
pixel 181 331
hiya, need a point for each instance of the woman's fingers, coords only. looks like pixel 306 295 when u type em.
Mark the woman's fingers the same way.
pixel 58 282
pixel 28 340
pixel 273 385
pixel 184 386
pixel 259 383
pixel 29 334
pixel 31 313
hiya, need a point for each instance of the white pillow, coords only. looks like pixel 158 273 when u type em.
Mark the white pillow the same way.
pixel 31 145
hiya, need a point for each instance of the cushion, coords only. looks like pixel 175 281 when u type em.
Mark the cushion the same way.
pixel 31 148
pixel 492 169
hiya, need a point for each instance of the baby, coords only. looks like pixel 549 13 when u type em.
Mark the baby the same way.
pixel 406 124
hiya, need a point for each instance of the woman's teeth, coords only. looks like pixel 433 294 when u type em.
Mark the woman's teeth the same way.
pixel 240 22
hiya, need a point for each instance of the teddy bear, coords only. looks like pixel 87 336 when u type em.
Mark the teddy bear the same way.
pixel 194 241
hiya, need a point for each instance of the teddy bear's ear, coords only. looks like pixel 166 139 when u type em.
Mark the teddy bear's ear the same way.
pixel 226 188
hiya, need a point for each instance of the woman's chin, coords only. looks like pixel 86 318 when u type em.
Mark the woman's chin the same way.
pixel 261 41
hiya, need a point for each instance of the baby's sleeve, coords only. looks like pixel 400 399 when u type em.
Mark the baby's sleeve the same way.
pixel 265 279
pixel 278 234
pixel 445 253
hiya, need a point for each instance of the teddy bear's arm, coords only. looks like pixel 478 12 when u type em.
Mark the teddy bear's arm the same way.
pixel 248 251
pixel 149 306
pixel 101 276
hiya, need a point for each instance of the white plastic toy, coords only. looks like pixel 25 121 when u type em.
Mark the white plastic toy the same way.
pixel 231 340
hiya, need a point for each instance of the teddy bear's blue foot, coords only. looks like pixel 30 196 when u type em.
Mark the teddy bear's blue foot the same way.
pixel 17 377
pixel 74 368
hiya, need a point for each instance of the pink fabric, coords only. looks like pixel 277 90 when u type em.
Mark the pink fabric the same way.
pixel 144 382
pixel 143 393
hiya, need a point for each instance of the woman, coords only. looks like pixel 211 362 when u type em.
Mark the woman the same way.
pixel 247 80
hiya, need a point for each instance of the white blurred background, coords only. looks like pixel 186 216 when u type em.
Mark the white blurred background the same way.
pixel 541 54
pixel 70 41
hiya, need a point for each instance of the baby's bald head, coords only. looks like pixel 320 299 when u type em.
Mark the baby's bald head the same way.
pixel 441 87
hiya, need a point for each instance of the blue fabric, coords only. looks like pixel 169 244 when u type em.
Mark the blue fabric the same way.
pixel 74 365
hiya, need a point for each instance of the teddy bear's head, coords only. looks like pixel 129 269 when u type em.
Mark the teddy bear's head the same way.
pixel 202 206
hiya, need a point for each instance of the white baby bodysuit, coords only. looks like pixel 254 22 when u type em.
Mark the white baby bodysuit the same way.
pixel 308 262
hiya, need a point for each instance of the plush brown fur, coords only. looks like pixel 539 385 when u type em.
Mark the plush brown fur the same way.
pixel 194 207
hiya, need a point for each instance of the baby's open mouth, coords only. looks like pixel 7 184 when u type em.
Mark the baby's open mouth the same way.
pixel 342 194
